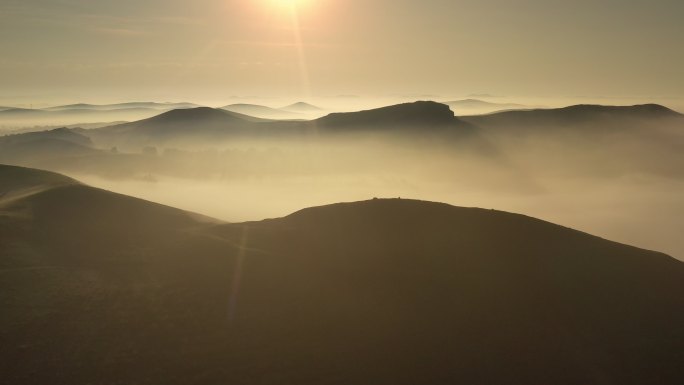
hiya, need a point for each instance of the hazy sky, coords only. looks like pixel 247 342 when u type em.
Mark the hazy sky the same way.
pixel 96 50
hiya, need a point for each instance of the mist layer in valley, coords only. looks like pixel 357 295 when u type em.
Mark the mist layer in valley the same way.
pixel 614 172
pixel 383 291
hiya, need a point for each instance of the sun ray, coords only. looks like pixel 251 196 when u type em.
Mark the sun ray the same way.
pixel 237 275
pixel 290 9
pixel 301 54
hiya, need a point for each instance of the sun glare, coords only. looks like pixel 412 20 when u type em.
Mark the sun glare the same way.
pixel 288 3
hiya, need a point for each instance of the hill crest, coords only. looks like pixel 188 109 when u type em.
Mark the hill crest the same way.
pixel 424 113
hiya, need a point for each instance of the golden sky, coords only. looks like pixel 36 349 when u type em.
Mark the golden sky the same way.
pixel 95 50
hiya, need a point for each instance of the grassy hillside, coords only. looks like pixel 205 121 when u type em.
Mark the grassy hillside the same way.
pixel 103 288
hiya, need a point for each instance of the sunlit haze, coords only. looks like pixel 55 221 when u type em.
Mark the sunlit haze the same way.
pixel 341 192
pixel 217 51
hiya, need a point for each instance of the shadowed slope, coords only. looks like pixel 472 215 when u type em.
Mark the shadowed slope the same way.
pixel 86 274
pixel 16 179
pixel 381 292
pixel 397 291
pixel 71 220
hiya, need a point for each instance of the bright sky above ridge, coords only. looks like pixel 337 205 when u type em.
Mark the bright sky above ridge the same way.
pixel 105 50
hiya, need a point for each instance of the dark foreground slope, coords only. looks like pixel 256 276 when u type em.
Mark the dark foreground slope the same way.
pixel 414 292
pixel 375 292
pixel 84 274
pixel 60 215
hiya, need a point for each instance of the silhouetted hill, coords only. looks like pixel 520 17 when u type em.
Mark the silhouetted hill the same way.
pixel 62 133
pixel 199 116
pixel 422 114
pixel 33 148
pixel 100 287
pixel 398 291
pixel 195 114
pixel 208 124
pixel 302 107
pixel 606 116
pixel 194 123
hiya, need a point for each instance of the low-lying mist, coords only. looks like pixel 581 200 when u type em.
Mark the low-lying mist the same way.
pixel 624 187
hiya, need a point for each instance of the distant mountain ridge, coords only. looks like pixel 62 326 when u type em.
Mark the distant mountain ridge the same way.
pixel 83 113
pixel 302 107
pixel 423 118
pixel 402 115
pixel 36 117
pixel 115 106
pixel 577 114
pixel 208 123
pixel 296 111
pixel 17 110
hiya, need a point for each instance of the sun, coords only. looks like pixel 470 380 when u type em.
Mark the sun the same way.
pixel 289 3
pixel 291 6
